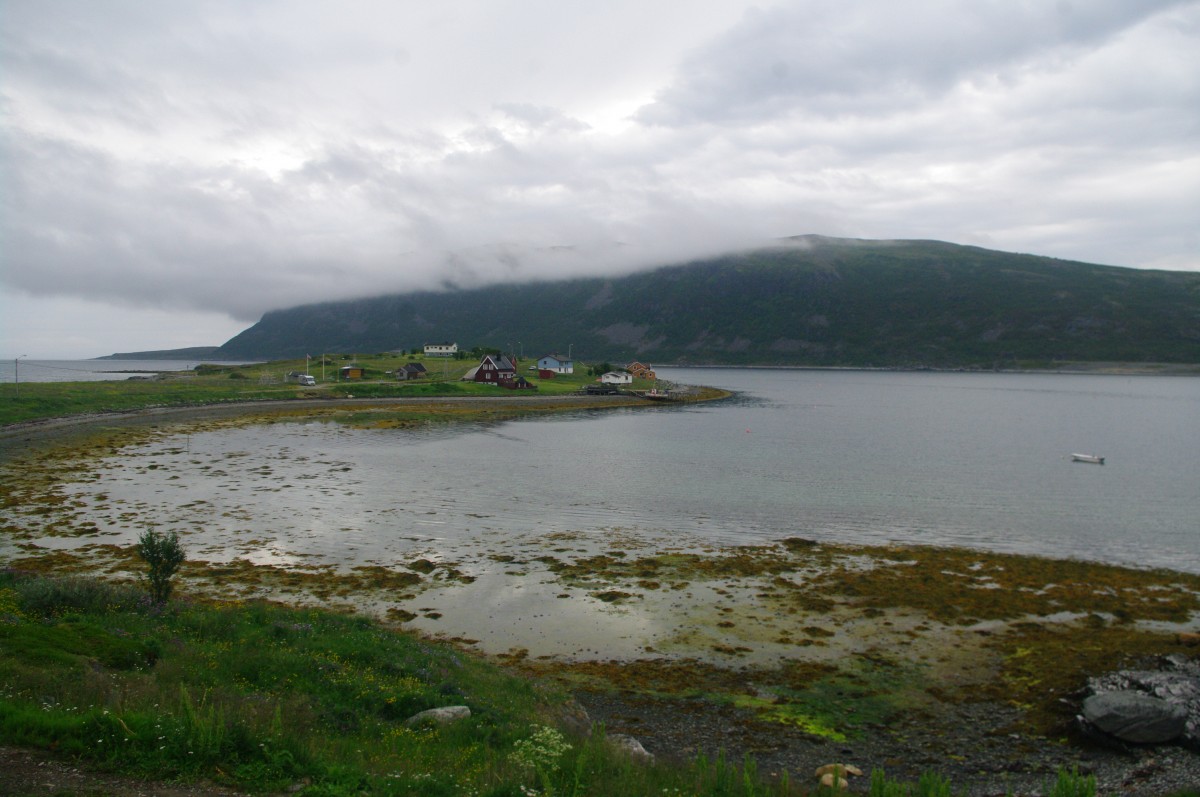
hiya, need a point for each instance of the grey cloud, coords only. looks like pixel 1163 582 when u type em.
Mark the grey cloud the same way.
pixel 353 221
pixel 161 158
pixel 827 57
pixel 538 117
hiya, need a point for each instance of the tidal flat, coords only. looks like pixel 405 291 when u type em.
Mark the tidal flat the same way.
pixel 811 643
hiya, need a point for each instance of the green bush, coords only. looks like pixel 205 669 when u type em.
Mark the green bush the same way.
pixel 163 554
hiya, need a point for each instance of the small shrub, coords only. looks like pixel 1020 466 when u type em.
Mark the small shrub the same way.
pixel 163 554
pixel 541 751
pixel 49 597
pixel 1072 784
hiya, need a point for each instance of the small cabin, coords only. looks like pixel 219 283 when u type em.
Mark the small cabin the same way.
pixel 351 372
pixel 617 378
pixel 520 383
pixel 410 371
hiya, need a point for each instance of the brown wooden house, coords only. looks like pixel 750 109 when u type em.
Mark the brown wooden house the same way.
pixel 640 370
pixel 495 369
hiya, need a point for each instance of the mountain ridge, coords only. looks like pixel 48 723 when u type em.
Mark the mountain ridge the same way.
pixel 806 301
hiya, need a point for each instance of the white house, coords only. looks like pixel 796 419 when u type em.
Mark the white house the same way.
pixel 556 363
pixel 441 349
pixel 617 378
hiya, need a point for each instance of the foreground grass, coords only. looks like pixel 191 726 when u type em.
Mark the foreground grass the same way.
pixel 266 698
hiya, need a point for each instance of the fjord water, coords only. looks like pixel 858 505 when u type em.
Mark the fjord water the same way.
pixel 978 460
pixel 972 459
pixel 26 370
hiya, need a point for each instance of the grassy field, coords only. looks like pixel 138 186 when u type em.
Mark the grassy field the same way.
pixel 215 384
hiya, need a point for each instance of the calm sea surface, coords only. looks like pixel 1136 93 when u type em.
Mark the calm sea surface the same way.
pixel 87 370
pixel 976 460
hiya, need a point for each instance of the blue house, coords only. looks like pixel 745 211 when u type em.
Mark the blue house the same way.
pixel 556 363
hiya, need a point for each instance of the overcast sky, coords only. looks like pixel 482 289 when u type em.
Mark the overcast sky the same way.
pixel 172 170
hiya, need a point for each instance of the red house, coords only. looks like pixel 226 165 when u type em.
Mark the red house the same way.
pixel 495 369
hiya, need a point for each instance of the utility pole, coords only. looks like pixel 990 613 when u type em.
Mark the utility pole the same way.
pixel 17 375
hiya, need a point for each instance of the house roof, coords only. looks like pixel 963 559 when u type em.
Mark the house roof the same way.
pixel 414 368
pixel 558 357
pixel 500 361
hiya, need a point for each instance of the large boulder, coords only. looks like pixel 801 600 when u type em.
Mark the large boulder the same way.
pixel 1135 717
pixel 1175 681
pixel 438 716
pixel 629 747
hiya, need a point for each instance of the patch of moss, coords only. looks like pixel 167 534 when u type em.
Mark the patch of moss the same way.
pixel 960 586
pixel 612 595
pixel 788 714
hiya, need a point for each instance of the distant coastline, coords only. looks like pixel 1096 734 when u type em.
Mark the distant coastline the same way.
pixel 205 353
pixel 193 353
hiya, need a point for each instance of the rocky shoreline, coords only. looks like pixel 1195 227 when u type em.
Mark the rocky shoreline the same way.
pixel 969 744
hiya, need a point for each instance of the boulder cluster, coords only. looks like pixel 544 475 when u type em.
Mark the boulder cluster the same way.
pixel 1146 706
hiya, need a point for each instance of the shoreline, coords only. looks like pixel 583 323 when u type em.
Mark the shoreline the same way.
pixel 1083 369
pixel 912 656
pixel 46 427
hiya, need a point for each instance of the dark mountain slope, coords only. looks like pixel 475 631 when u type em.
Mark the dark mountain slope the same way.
pixel 810 301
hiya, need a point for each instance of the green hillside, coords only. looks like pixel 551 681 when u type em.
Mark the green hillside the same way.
pixel 808 301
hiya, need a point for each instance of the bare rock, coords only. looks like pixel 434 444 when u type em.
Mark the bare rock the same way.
pixel 438 716
pixel 1176 681
pixel 1135 717
pixel 830 781
pixel 628 745
pixel 839 770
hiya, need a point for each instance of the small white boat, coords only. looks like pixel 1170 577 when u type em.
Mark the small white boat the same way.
pixel 1092 458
